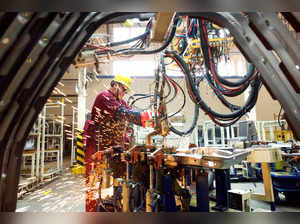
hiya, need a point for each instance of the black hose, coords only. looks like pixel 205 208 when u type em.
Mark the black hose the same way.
pixel 113 44
pixel 225 102
pixel 140 98
pixel 174 94
pixel 168 41
pixel 196 112
pixel 131 51
pixel 278 118
pixel 242 81
pixel 184 99
pixel 205 46
pixel 163 71
pixel 196 98
pixel 194 123
pixel 214 85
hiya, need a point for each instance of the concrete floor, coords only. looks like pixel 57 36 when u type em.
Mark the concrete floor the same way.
pixel 64 194
pixel 67 194
pixel 282 206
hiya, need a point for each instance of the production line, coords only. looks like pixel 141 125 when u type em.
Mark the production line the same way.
pixel 162 167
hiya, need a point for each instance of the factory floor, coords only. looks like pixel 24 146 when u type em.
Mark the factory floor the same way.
pixel 257 206
pixel 67 194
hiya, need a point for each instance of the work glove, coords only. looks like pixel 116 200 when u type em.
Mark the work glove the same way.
pixel 146 119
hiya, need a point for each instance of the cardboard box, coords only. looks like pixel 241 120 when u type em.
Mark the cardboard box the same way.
pixel 239 200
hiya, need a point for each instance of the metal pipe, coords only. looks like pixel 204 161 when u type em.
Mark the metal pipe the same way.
pixel 149 136
pixel 126 198
pixel 72 143
pixel 184 178
pixel 205 134
pixel 149 194
pixel 106 178
pixel 127 171
pixel 263 131
pixel 232 131
pixel 151 177
pixel 62 135
pixel 227 134
pixel 222 136
pixel 43 143
pixel 38 147
pixel 32 164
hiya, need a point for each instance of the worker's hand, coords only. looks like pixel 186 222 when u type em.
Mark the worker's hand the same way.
pixel 146 119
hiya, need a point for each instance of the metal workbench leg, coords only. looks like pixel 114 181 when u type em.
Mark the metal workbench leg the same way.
pixel 202 192
pixel 32 164
pixel 222 186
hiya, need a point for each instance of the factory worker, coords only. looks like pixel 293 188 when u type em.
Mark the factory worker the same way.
pixel 107 126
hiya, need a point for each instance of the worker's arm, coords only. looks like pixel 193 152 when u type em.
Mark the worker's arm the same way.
pixel 104 107
pixel 138 118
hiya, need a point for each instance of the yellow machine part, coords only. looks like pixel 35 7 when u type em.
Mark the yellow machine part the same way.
pixel 279 165
pixel 283 135
pixel 78 169
pixel 280 135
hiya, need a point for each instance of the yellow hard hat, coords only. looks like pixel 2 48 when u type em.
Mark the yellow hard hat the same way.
pixel 125 80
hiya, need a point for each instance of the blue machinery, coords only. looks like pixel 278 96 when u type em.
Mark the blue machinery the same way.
pixel 157 172
pixel 162 168
pixel 287 183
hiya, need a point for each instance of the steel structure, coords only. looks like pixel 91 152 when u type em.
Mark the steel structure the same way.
pixel 47 135
pixel 37 48
pixel 73 153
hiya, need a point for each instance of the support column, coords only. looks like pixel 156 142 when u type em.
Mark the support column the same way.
pixel 263 131
pixel 38 147
pixel 202 192
pixel 73 134
pixel 81 98
pixel 214 134
pixel 205 134
pixel 43 142
pixel 62 134
pixel 222 187
pixel 222 136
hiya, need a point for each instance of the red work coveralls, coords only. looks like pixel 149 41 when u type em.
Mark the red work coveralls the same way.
pixel 105 129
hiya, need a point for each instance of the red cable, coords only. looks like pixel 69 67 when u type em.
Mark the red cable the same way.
pixel 98 47
pixel 179 38
pixel 189 85
pixel 219 123
pixel 211 66
pixel 190 27
pixel 173 83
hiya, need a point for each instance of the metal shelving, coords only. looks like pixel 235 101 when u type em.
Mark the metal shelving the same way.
pixel 52 140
